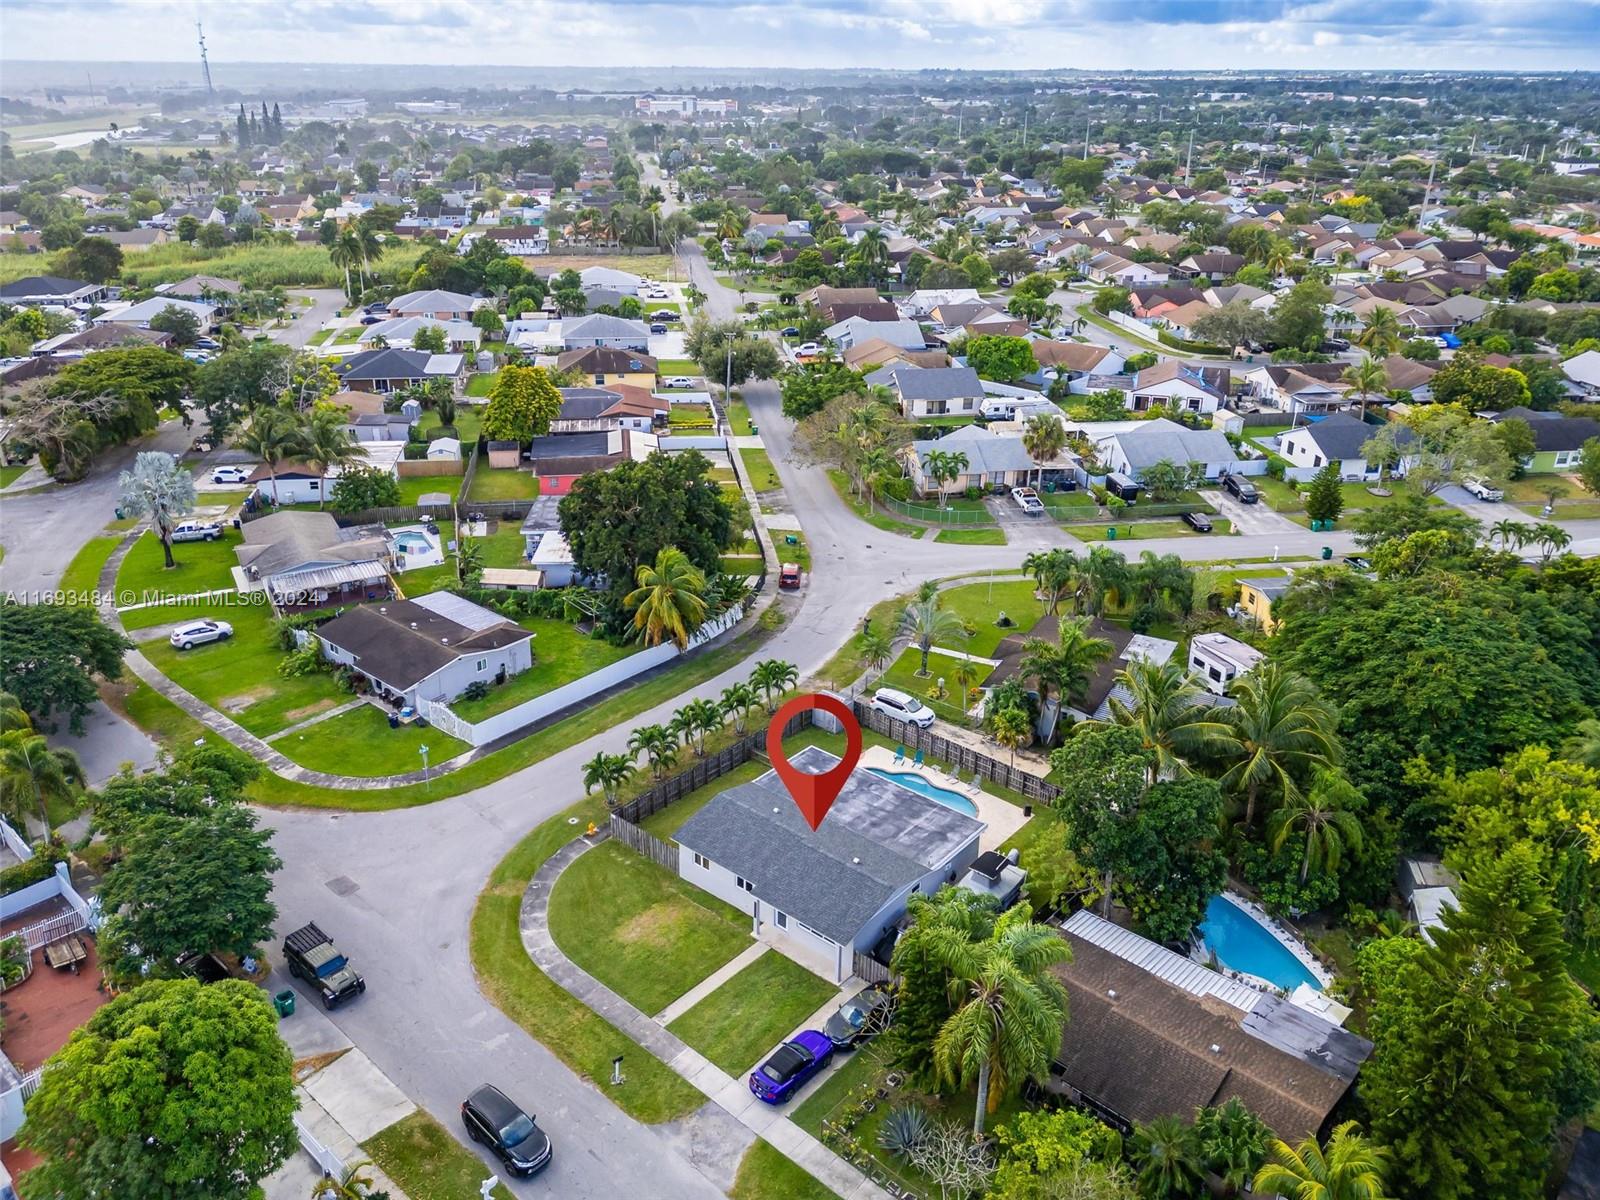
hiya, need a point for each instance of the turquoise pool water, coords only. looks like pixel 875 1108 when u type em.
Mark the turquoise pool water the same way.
pixel 1238 941
pixel 413 543
pixel 916 783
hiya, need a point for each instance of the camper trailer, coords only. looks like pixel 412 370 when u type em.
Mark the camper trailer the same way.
pixel 1122 487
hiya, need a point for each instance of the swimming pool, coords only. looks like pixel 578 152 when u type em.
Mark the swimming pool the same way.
pixel 409 542
pixel 911 781
pixel 1242 943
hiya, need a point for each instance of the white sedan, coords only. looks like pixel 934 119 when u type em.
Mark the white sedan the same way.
pixel 1483 491
pixel 680 381
pixel 198 633
pixel 230 474
pixel 808 348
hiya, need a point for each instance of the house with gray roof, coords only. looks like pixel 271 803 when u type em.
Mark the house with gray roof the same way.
pixel 993 460
pixel 830 893
pixel 907 335
pixel 1128 451
pixel 1339 439
pixel 931 391
pixel 597 329
pixel 305 560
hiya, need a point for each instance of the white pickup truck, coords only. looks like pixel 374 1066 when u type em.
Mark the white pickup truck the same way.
pixel 1028 501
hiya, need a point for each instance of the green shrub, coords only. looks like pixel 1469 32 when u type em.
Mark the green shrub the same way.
pixel 41 866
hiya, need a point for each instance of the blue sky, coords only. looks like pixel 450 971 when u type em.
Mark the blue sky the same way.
pixel 1164 34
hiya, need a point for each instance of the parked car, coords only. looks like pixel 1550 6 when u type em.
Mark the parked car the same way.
pixel 204 444
pixel 1335 345
pixel 230 474
pixel 1240 488
pixel 791 331
pixel 1197 521
pixel 198 633
pixel 1482 490
pixel 903 706
pixel 790 1065
pixel 679 381
pixel 378 307
pixel 853 1022
pixel 515 1137
pixel 808 348
pixel 197 531
pixel 1028 501
pixel 789 575
pixel 664 314
pixel 374 319
pixel 311 955
pixel 206 343
pixel 658 327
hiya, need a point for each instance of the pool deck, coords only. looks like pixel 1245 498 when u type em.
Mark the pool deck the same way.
pixel 1284 937
pixel 1000 818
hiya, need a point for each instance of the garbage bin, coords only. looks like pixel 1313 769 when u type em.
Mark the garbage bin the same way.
pixel 1327 552
pixel 1111 533
pixel 754 429
pixel 284 1003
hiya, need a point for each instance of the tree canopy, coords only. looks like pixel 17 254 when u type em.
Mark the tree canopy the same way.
pixel 50 656
pixel 522 404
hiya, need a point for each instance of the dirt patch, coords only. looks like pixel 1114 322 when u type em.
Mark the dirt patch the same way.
pixel 309 710
pixel 304 1068
pixel 233 704
pixel 657 925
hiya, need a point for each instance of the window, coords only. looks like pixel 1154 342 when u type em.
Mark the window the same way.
pixel 782 919
pixel 700 860
pixel 483 664
pixel 599 378
pixel 1568 458
pixel 1316 460
pixel 745 884
pixel 1215 674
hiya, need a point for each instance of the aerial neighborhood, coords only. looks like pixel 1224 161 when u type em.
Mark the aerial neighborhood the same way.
pixel 444 520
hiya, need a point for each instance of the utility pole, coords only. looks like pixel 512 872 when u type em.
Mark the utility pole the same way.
pixel 205 63
pixel 1188 163
pixel 1086 139
pixel 1427 191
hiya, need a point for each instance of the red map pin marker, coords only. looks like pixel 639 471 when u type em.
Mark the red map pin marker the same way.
pixel 814 794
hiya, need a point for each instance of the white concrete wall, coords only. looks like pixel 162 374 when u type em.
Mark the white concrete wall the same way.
pixel 811 947
pixel 449 682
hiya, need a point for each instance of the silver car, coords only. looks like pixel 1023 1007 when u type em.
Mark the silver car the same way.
pixel 197 531
pixel 198 633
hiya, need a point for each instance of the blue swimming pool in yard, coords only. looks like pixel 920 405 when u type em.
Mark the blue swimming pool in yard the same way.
pixel 413 543
pixel 1239 941
pixel 916 783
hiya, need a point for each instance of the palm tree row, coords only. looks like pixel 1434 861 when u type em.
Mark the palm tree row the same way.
pixel 275 434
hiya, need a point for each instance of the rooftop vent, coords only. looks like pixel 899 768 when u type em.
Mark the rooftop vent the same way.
pixel 1112 993
pixel 856 861
pixel 1216 1049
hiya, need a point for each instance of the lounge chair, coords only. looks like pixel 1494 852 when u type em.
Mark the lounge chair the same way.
pixel 899 755
pixel 917 762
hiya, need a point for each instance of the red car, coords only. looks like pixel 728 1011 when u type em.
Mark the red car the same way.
pixel 789 575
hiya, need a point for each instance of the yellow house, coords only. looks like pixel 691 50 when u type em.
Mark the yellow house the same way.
pixel 1256 597
pixel 607 366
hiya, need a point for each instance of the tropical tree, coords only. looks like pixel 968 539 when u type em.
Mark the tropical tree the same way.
pixel 273 436
pixel 1012 729
pixel 700 717
pixel 158 486
pixel 1166 1154
pixel 469 560
pixel 1364 378
pixel 1349 1168
pixel 1328 827
pixel 942 466
pixel 1054 572
pixel 1174 726
pixel 1233 1142
pixel 877 648
pixel 1379 332
pixel 1043 437
pixel 327 444
pixel 345 254
pixel 32 771
pixel 872 252
pixel 658 744
pixel 1067 664
pixel 608 772
pixel 925 623
pixel 1550 538
pixel 1102 574
pixel 1008 1024
pixel 670 599
pixel 737 701
pixel 353 1183
pixel 774 677
pixel 1279 729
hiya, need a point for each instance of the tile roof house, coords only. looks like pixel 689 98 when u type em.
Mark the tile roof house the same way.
pixel 833 892
pixel 430 648
pixel 139 315
pixel 875 352
pixel 931 391
pixel 597 409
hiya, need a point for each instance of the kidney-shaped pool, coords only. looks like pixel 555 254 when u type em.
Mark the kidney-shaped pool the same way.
pixel 1241 942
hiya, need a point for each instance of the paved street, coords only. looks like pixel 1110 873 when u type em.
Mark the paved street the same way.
pixel 325 304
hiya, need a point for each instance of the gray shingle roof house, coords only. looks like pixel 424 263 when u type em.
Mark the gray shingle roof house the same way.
pixel 1341 437
pixel 931 391
pixel 601 330
pixel 385 370
pixel 836 890
pixel 1151 442
pixel 50 289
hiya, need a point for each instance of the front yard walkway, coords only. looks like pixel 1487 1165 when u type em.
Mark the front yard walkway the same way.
pixel 729 1097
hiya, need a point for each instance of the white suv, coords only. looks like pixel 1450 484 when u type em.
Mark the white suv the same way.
pixel 1480 489
pixel 903 707
pixel 198 633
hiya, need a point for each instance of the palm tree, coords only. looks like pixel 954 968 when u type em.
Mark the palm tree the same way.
pixel 1168 1159
pixel 1549 537
pixel 1101 575
pixel 1584 744
pixel 1328 829
pixel 1363 379
pixel 1053 572
pixel 609 772
pixel 1348 1168
pixel 943 466
pixel 30 769
pixel 1279 728
pixel 875 465
pixel 369 245
pixel 965 675
pixel 826 227
pixel 1232 1141
pixel 670 599
pixel 327 444
pixel 1509 532
pixel 345 253
pixel 877 647
pixel 1067 664
pixel 1043 437
pixel 701 717
pixel 353 1183
pixel 1160 580
pixel 469 560
pixel 1012 729
pixel 737 701
pixel 774 677
pixel 1008 1025
pixel 1380 331
pixel 926 623
pixel 872 252
pixel 1165 710
pixel 658 744
pixel 272 436
pixel 1278 257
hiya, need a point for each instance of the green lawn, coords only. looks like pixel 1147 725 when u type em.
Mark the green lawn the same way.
pixel 504 547
pixel 752 1012
pixel 9 475
pixel 873 516
pixel 758 469
pixel 765 1174
pixel 1286 497
pixel 689 414
pixel 1144 530
pixel 82 575
pixel 980 603
pixel 419 1154
pixel 902 674
pixel 1262 435
pixel 1567 510
pixel 678 366
pixel 360 742
pixel 639 929
pixel 739 565
pixel 468 421
pixel 239 676
pixel 320 336
pixel 862 1066
pixel 412 490
pixel 739 418
pixel 971 537
pixel 560 655
pixel 796 552
pixel 347 337
pixel 422 580
pixel 481 384
pixel 503 483
pixel 202 567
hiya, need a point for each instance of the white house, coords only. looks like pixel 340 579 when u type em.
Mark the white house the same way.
pixel 854 330
pixel 610 280
pixel 931 391
pixel 923 301
pixel 833 892
pixel 1337 439
pixel 1299 388
pixel 1130 450
pixel 1219 659
pixel 139 315
pixel 601 330
pixel 434 303
pixel 993 460
pixel 401 331
pixel 1584 370
pixel 1174 384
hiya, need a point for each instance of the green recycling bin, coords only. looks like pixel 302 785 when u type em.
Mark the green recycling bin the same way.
pixel 284 1003
pixel 1111 534
pixel 1327 553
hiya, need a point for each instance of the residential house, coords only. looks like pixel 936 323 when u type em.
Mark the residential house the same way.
pixel 875 352
pixel 1217 660
pixel 97 337
pixel 1112 268
pixel 600 330
pixel 1213 265
pixel 1299 389
pixel 1131 449
pixel 435 304
pixel 823 296
pixel 1557 440
pixel 1154 1033
pixel 919 304
pixel 877 310
pixel 139 315
pixel 847 333
pixel 305 560
pixel 213 289
pixel 379 426
pixel 931 391
pixel 1582 369
pixel 1152 301
pixel 601 409
pixel 1174 384
pixel 545 547
pixel 993 460
pixel 1095 697
pixel 560 459
pixel 400 332
pixel 392 369
pixel 51 291
pixel 133 241
pixel 827 894
pixel 1180 319
pixel 1339 439
pixel 1256 596
pixel 516 240
pixel 1074 360
pixel 602 366
pixel 608 279
pixel 430 648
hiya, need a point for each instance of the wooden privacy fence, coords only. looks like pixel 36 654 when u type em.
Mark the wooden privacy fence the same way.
pixel 704 770
pixel 663 854
pixel 957 754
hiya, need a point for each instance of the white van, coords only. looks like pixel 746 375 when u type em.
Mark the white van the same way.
pixel 903 706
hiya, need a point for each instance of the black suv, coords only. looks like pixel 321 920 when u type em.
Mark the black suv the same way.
pixel 312 956
pixel 1243 490
pixel 515 1137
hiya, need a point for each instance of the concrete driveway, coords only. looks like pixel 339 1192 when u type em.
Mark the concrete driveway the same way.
pixel 325 305
pixel 1257 518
